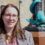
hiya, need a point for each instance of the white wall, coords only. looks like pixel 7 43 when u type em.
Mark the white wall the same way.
pixel 25 12
pixel 4 2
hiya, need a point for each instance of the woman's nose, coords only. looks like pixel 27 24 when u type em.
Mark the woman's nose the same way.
pixel 11 17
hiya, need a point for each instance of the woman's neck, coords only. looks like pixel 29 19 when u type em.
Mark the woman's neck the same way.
pixel 9 31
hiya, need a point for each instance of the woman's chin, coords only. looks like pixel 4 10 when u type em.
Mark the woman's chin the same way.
pixel 10 26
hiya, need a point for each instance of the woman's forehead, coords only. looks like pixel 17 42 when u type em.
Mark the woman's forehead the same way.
pixel 11 10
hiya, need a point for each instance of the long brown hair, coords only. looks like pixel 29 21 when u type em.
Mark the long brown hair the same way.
pixel 17 31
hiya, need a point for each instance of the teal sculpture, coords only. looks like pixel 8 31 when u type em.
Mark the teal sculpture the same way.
pixel 37 22
pixel 38 15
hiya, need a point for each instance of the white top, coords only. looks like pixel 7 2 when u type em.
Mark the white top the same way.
pixel 29 39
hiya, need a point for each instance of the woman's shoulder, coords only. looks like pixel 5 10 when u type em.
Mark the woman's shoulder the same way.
pixel 28 33
pixel 2 36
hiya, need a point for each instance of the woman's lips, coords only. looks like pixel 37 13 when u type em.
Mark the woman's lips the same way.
pixel 10 22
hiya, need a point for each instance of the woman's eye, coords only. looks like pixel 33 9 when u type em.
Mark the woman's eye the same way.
pixel 7 14
pixel 14 15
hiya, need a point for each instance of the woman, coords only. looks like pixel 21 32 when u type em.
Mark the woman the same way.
pixel 10 29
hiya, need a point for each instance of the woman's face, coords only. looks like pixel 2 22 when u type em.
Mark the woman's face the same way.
pixel 10 17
